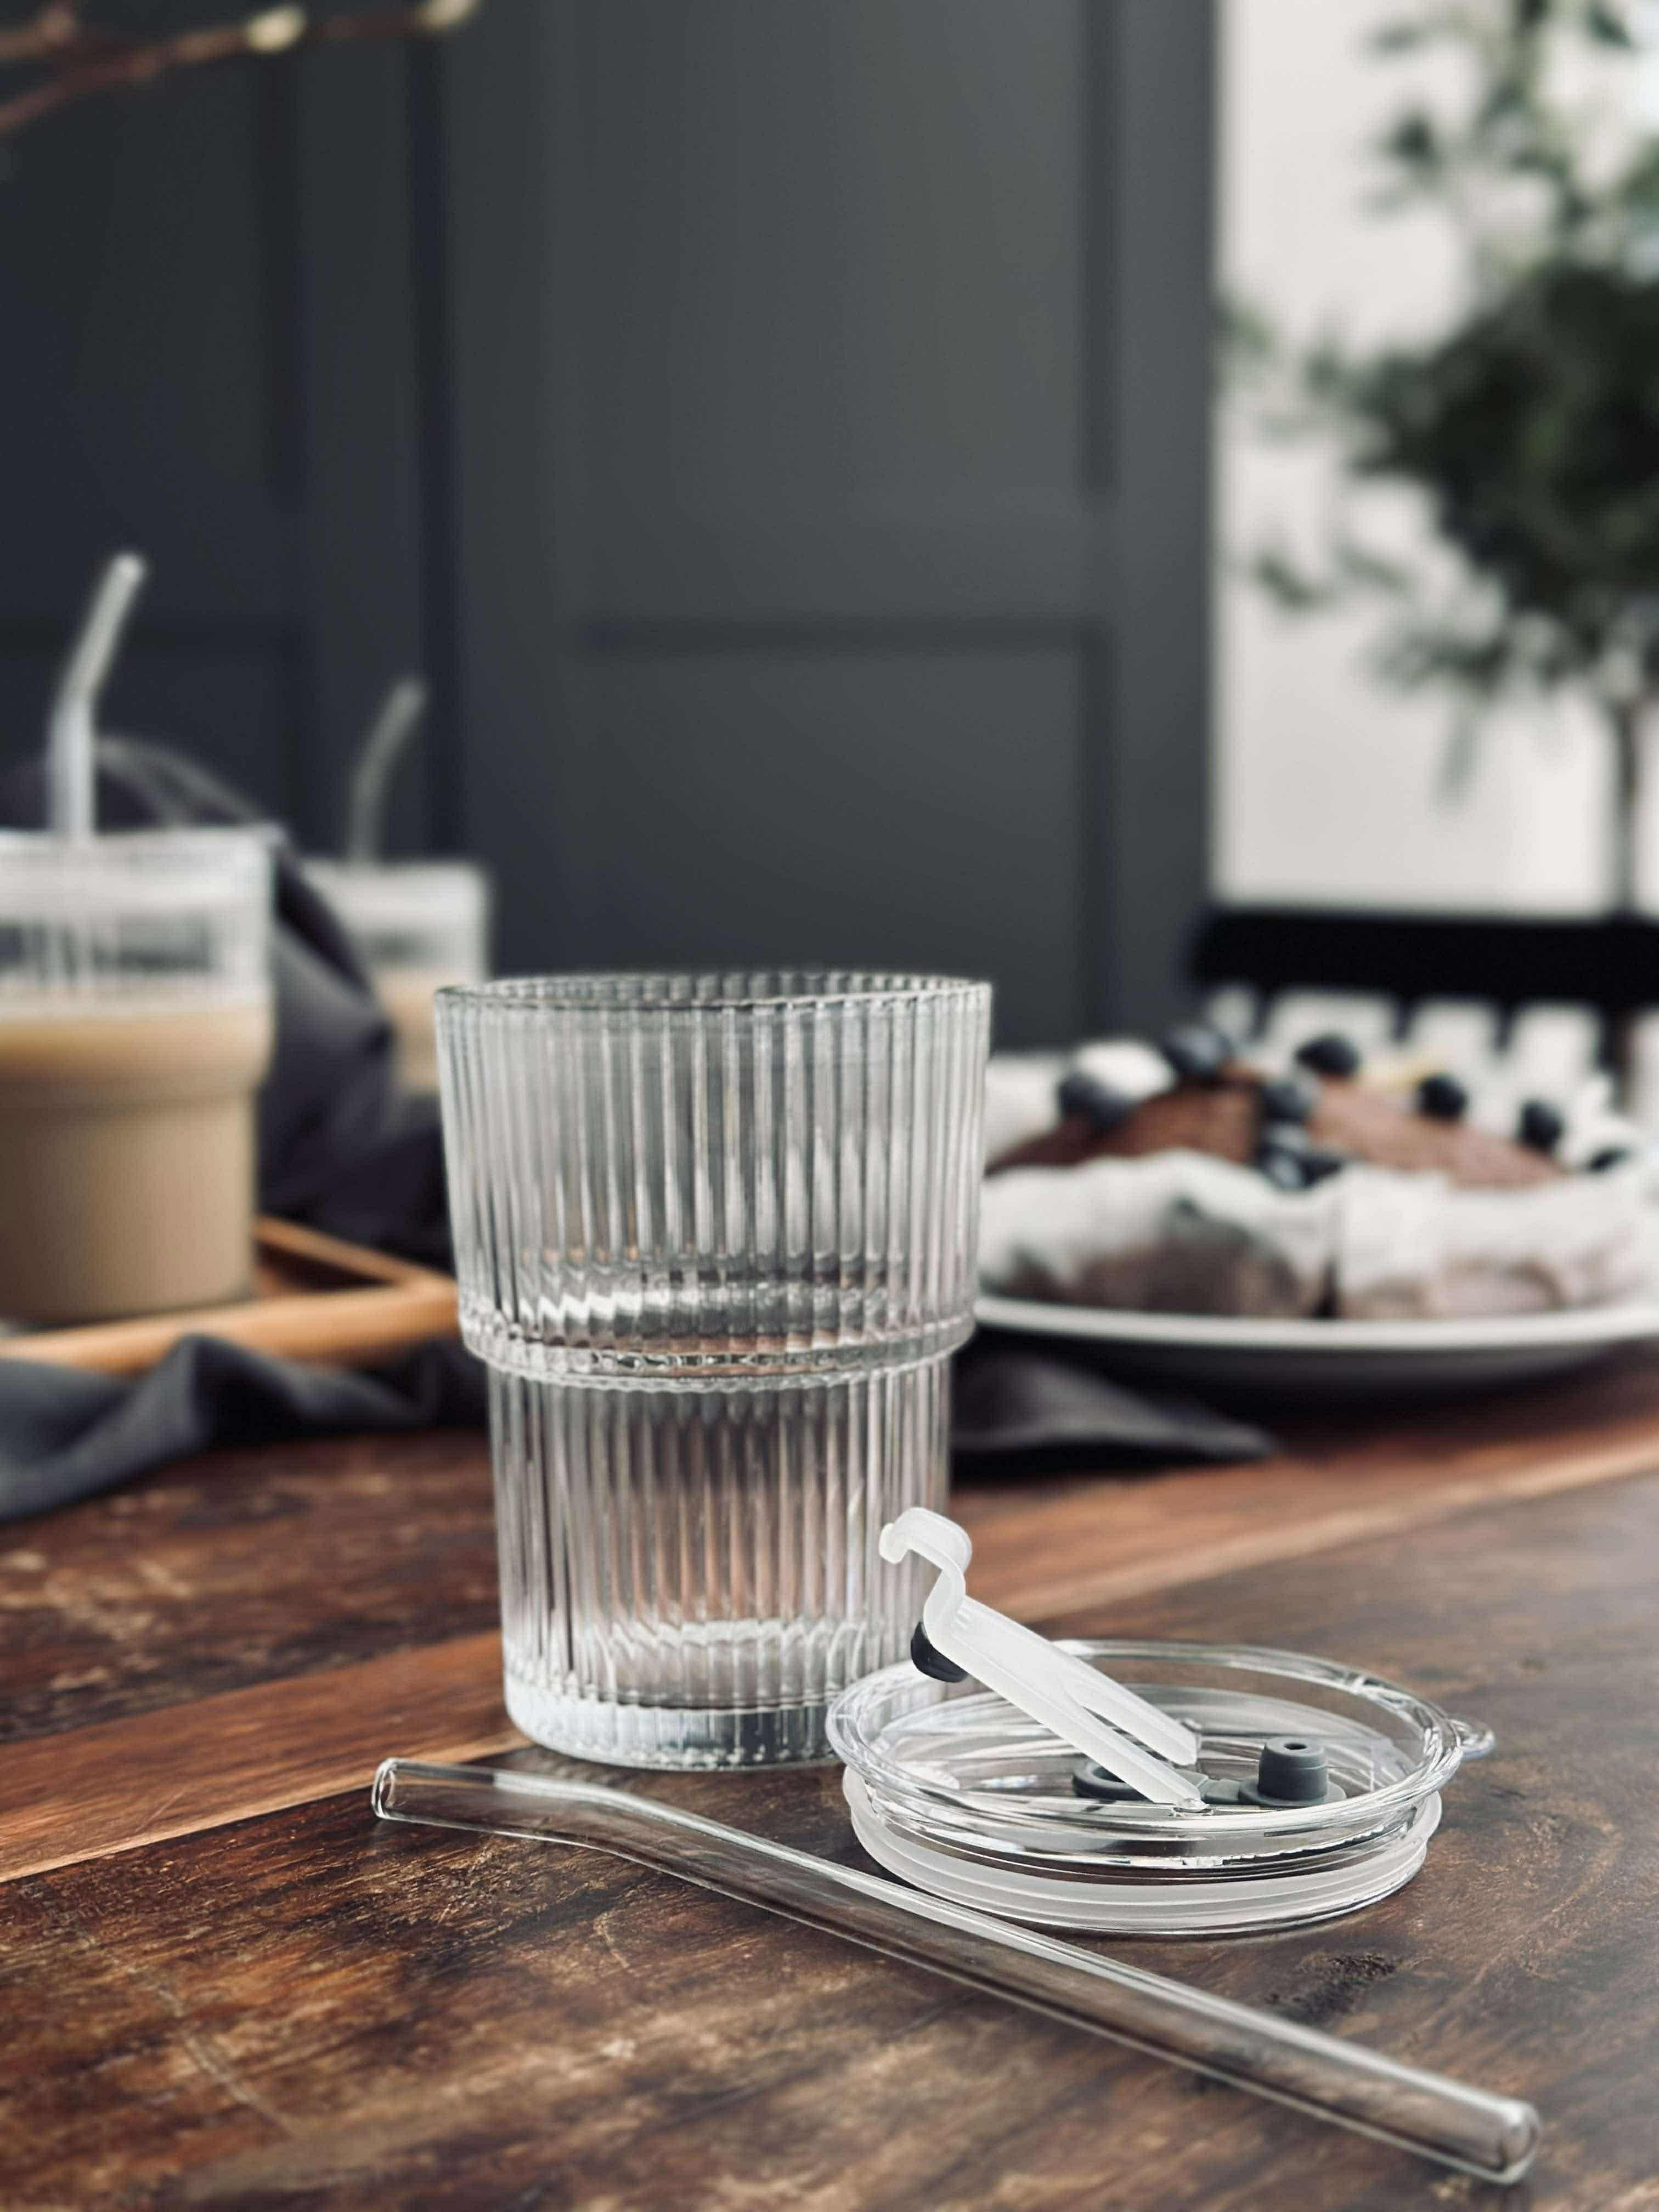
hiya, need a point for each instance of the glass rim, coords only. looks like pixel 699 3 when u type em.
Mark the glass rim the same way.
pixel 734 991
pixel 437 868
pixel 427 898
pixel 49 848
pixel 77 883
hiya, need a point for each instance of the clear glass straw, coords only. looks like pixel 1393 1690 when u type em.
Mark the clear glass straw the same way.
pixel 1495 2137
pixel 71 735
pixel 393 726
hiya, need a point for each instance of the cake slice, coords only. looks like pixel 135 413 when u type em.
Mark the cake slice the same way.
pixel 1180 1179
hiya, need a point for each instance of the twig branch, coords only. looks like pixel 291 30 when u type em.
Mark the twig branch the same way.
pixel 81 62
pixel 43 37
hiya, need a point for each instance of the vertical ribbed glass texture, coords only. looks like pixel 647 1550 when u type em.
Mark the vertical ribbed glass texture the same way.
pixel 689 1574
pixel 714 1175
pixel 135 918
pixel 715 1239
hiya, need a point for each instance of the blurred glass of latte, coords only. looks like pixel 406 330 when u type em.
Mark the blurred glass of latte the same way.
pixel 134 1029
pixel 416 925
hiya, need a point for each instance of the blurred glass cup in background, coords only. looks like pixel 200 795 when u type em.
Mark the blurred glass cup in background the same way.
pixel 134 1029
pixel 716 1239
pixel 418 924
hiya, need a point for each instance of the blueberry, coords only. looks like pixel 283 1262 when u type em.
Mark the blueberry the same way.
pixel 1093 1100
pixel 1442 1098
pixel 1286 1137
pixel 1197 1051
pixel 1284 1165
pixel 926 1656
pixel 1330 1054
pixel 1292 1161
pixel 1288 1099
pixel 1540 1125
pixel 1610 1156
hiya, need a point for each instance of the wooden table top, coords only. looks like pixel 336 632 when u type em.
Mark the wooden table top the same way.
pixel 224 1985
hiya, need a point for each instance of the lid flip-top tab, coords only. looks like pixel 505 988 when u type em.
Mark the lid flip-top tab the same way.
pixel 1083 1708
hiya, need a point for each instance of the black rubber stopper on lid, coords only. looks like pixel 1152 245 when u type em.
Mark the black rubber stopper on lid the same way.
pixel 1292 1770
pixel 1198 1051
pixel 931 1661
pixel 1096 1102
pixel 1330 1054
pixel 1090 1779
pixel 1442 1098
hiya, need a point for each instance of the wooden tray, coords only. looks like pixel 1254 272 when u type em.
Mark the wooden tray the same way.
pixel 314 1297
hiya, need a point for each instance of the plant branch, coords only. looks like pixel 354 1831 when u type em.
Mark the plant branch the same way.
pixel 42 37
pixel 81 61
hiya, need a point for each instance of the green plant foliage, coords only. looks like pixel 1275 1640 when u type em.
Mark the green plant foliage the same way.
pixel 1534 426
pixel 1530 428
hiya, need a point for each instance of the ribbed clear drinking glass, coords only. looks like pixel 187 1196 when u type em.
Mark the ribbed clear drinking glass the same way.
pixel 715 1239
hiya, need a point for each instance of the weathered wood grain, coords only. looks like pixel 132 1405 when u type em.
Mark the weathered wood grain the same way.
pixel 305 2011
pixel 1044 1548
pixel 124 1783
pixel 253 1572
pixel 238 1568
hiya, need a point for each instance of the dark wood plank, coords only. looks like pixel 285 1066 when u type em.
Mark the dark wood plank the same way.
pixel 125 1783
pixel 230 1584
pixel 304 2011
pixel 242 1567
pixel 1045 1549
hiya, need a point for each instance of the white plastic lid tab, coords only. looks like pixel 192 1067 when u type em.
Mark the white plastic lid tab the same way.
pixel 1108 1724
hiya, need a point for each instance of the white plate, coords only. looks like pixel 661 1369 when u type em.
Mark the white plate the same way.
pixel 1335 1357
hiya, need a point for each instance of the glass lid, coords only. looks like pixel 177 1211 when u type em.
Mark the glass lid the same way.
pixel 1321 1787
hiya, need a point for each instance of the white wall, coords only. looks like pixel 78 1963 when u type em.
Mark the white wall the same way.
pixel 1327 781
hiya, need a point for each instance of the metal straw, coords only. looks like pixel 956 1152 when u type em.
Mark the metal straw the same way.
pixel 1495 2137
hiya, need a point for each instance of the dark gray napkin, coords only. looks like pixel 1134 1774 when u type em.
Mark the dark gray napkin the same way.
pixel 1015 1404
pixel 65 1433
pixel 341 1149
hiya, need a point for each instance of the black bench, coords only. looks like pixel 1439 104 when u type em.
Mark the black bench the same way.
pixel 1610 964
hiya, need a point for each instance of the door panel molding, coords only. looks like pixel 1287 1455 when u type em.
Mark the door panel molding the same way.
pixel 711 552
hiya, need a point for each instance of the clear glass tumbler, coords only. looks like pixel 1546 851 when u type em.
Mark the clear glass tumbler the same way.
pixel 418 924
pixel 715 1237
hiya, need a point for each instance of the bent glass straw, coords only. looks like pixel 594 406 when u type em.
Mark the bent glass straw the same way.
pixel 1495 2137
pixel 394 726
pixel 71 734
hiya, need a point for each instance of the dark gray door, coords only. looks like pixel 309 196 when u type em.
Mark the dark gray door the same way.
pixel 780 426
pixel 830 393
pixel 208 350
